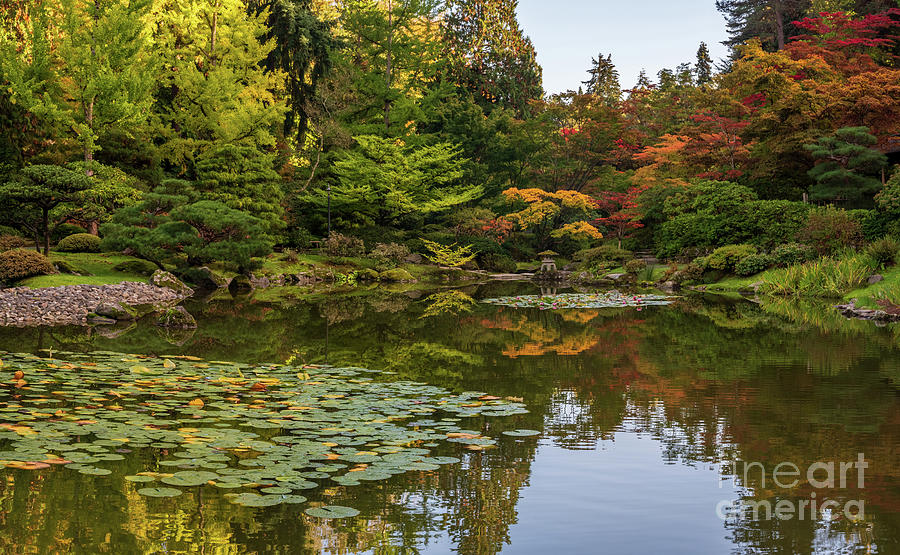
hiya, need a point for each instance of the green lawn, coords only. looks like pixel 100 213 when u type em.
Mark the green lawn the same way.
pixel 99 265
pixel 889 288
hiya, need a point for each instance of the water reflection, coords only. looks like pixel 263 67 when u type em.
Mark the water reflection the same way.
pixel 646 417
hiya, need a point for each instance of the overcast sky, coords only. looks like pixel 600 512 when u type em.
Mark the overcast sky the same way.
pixel 650 34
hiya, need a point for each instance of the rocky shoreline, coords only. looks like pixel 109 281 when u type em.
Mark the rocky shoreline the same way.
pixel 79 304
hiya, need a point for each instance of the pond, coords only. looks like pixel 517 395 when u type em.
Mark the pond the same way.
pixel 662 428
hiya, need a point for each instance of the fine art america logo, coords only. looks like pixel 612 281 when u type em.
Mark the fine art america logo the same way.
pixel 821 476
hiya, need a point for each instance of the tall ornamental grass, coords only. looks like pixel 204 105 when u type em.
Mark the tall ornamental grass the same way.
pixel 827 277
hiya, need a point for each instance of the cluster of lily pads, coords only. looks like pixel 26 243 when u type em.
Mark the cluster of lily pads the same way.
pixel 272 430
pixel 609 299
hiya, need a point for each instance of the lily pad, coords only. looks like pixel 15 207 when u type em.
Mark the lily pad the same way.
pixel 160 492
pixel 521 433
pixel 332 511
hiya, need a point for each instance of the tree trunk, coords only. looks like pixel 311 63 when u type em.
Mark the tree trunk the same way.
pixel 94 227
pixel 779 23
pixel 45 222
pixel 387 71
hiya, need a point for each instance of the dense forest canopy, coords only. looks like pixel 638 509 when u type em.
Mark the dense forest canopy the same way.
pixel 150 122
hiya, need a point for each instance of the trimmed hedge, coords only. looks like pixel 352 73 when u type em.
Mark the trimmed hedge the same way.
pixel 79 242
pixel 19 264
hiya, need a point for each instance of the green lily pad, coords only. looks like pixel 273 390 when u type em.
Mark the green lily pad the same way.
pixel 521 433
pixel 160 492
pixel 332 511
pixel 140 479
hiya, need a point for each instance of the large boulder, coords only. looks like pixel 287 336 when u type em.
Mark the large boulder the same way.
pixel 204 278
pixel 396 275
pixel 876 278
pixel 161 278
pixel 367 275
pixel 116 311
pixel 177 317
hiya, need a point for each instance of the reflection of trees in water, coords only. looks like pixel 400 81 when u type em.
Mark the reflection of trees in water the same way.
pixel 710 381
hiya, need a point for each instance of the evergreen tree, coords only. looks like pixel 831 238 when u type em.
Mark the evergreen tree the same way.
pixel 643 82
pixel 847 164
pixel 385 179
pixel 768 20
pixel 304 48
pixel 489 55
pixel 108 77
pixel 214 90
pixel 704 67
pixel 31 196
pixel 604 79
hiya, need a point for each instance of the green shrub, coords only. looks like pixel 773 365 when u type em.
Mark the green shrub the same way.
pixel 19 264
pixel 339 244
pixel 137 266
pixel 884 251
pixel 635 266
pixel 690 273
pixel 298 238
pixel 727 258
pixel 10 242
pixel 79 242
pixel 829 229
pixel 792 253
pixel 64 230
pixel 389 255
pixel 753 264
pixel 499 263
pixel 605 253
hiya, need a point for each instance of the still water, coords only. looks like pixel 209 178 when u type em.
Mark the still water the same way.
pixel 655 425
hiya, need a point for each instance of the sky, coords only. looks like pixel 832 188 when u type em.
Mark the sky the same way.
pixel 650 34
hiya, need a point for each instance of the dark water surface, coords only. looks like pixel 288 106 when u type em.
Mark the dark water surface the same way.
pixel 650 421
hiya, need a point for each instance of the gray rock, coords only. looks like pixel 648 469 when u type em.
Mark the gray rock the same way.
pixel 414 258
pixel 168 280
pixel 873 279
pixel 177 317
pixel 615 277
pixel 669 286
pixel 99 320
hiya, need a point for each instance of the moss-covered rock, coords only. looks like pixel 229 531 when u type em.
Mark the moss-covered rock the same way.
pixel 161 278
pixel 241 284
pixel 367 274
pixel 396 275
pixel 137 267
pixel 176 317
pixel 116 311
pixel 64 267
pixel 204 278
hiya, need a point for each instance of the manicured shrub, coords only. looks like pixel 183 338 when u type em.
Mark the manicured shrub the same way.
pixel 79 242
pixel 389 255
pixel 339 244
pixel 604 253
pixel 10 242
pixel 792 253
pixel 64 230
pixel 19 264
pixel 298 238
pixel 830 229
pixel 690 273
pixel 753 264
pixel 884 251
pixel 635 266
pixel 726 258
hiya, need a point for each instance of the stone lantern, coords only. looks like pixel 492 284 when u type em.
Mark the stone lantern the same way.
pixel 548 264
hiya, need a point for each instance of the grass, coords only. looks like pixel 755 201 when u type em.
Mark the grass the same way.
pixel 888 289
pixel 99 265
pixel 826 277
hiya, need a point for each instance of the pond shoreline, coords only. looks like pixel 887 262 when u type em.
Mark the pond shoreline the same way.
pixel 77 304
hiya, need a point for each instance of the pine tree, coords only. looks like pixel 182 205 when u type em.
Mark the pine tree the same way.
pixel 643 82
pixel 767 20
pixel 489 55
pixel 604 79
pixel 847 163
pixel 703 69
